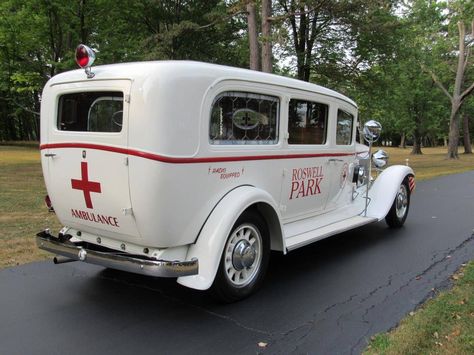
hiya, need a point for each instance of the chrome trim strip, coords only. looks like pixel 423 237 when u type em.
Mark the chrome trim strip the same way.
pixel 157 268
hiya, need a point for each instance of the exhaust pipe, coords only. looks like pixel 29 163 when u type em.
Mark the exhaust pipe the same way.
pixel 62 260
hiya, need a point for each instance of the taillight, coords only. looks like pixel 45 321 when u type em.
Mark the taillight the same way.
pixel 47 200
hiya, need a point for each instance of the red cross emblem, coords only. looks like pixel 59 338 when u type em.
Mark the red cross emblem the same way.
pixel 85 185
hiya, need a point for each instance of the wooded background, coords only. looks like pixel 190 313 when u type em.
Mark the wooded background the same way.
pixel 406 63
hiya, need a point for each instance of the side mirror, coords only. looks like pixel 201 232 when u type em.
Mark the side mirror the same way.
pixel 372 131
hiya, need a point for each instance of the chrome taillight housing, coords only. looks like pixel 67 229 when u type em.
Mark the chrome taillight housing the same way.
pixel 85 57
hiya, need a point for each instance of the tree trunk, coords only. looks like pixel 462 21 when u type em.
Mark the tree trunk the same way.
pixel 453 139
pixel 267 66
pixel 11 125
pixel 37 108
pixel 253 39
pixel 82 20
pixel 300 66
pixel 467 137
pixel 417 136
pixel 416 150
pixel 403 143
pixel 416 143
pixel 300 33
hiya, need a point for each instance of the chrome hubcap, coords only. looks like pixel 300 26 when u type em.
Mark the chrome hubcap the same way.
pixel 243 255
pixel 401 201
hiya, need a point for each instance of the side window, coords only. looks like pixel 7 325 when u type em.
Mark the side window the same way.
pixel 307 122
pixel 244 118
pixel 344 128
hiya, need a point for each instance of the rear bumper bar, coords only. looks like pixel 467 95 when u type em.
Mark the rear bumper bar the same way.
pixel 115 260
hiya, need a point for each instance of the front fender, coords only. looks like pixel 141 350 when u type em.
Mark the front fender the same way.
pixel 385 188
pixel 210 243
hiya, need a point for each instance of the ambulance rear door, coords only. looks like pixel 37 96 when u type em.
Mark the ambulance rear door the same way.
pixel 87 157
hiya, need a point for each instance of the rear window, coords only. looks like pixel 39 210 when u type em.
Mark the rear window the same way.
pixel 91 112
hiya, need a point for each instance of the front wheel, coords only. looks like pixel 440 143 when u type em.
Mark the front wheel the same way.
pixel 399 211
pixel 244 260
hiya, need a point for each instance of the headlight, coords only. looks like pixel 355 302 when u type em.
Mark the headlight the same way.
pixel 359 175
pixel 380 158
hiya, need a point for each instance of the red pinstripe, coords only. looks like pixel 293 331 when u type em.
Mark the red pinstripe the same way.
pixel 173 160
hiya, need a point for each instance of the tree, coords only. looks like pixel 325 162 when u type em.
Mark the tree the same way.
pixel 260 53
pixel 267 66
pixel 453 44
pixel 253 36
pixel 331 40
pixel 38 39
pixel 306 21
pixel 459 94
pixel 391 87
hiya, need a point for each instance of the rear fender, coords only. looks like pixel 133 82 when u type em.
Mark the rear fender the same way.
pixel 385 188
pixel 210 243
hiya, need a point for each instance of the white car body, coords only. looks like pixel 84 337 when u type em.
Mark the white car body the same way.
pixel 164 188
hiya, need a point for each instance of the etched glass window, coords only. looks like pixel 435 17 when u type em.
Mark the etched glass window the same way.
pixel 344 128
pixel 244 118
pixel 307 122
pixel 91 112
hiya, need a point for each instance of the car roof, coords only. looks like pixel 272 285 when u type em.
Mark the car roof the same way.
pixel 173 69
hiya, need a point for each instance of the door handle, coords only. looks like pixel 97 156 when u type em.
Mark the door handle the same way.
pixel 335 160
pixel 50 155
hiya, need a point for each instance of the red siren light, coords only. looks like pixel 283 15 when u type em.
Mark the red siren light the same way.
pixel 85 57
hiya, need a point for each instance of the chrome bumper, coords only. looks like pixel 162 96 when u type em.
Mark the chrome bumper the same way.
pixel 115 260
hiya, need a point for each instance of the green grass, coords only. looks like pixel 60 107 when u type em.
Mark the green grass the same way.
pixel 22 209
pixel 27 144
pixel 443 325
pixel 432 162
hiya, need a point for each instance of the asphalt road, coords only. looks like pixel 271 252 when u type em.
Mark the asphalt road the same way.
pixel 327 298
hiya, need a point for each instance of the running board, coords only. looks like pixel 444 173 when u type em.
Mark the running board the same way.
pixel 299 240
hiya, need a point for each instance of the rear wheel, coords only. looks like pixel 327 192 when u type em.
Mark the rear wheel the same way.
pixel 244 260
pixel 399 211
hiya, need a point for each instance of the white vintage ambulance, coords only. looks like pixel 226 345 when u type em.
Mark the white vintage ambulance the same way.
pixel 196 171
